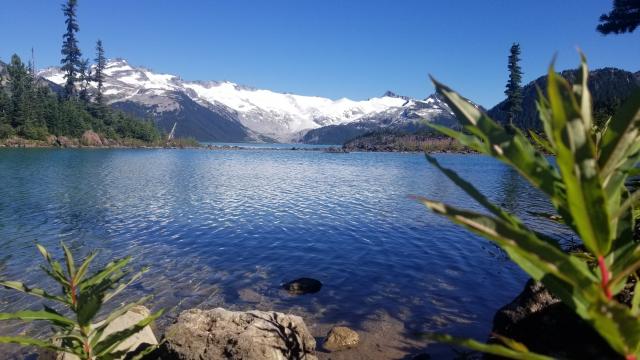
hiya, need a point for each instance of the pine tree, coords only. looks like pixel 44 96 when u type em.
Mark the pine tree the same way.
pixel 99 72
pixel 71 54
pixel 18 88
pixel 623 18
pixel 84 75
pixel 514 87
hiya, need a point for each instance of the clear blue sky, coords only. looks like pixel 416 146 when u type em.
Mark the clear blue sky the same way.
pixel 355 49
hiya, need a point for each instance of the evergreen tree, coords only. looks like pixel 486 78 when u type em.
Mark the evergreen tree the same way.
pixel 19 89
pixel 623 18
pixel 98 76
pixel 71 54
pixel 514 87
pixel 84 72
pixel 4 101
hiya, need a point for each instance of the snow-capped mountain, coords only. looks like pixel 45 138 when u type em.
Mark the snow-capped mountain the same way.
pixel 225 111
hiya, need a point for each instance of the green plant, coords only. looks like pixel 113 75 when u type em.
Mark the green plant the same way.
pixel 586 185
pixel 83 296
pixel 6 131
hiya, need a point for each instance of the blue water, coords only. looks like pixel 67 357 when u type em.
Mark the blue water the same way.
pixel 227 228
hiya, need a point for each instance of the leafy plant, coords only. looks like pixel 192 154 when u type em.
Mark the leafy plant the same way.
pixel 84 296
pixel 586 185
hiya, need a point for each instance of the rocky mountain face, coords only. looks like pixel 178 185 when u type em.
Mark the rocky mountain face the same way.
pixel 411 116
pixel 609 88
pixel 225 111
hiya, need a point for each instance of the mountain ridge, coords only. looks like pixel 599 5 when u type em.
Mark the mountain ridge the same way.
pixel 243 113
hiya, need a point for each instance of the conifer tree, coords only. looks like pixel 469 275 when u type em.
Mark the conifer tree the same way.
pixel 514 87
pixel 18 87
pixel 623 18
pixel 71 55
pixel 98 76
pixel 84 74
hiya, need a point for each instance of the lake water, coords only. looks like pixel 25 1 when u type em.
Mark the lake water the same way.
pixel 227 228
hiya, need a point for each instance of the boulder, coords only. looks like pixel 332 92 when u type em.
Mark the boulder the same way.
pixel 64 141
pixel 90 138
pixel 138 341
pixel 545 325
pixel 223 334
pixel 340 338
pixel 303 286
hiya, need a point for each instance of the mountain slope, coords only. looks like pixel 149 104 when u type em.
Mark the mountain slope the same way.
pixel 225 111
pixel 410 117
pixel 609 88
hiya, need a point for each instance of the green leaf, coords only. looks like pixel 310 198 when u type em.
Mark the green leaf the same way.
pixel 616 324
pixel 621 138
pixel 567 276
pixel 16 285
pixel 493 349
pixel 106 272
pixel 113 340
pixel 576 159
pixel 82 270
pixel 71 267
pixel 543 143
pixel 47 315
pixel 27 341
pixel 97 332
pixel 56 269
pixel 511 148
pixel 635 301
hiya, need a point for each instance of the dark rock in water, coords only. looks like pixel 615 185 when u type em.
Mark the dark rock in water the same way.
pixel 422 357
pixel 303 286
pixel 546 326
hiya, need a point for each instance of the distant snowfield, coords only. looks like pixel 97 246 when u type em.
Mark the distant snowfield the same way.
pixel 278 115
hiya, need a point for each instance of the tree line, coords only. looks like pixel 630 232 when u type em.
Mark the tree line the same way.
pixel 29 108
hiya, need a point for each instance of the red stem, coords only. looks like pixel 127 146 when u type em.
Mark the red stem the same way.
pixel 631 357
pixel 605 277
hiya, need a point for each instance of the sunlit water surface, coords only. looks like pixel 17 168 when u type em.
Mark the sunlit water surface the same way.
pixel 227 228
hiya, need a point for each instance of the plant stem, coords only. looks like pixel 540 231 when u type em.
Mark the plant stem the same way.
pixel 605 277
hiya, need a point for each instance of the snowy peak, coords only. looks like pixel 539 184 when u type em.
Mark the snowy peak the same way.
pixel 281 116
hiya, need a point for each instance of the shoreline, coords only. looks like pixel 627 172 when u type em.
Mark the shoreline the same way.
pixel 20 143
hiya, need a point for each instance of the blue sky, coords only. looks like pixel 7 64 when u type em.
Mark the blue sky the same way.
pixel 355 49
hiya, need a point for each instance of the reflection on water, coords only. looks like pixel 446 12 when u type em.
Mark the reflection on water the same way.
pixel 226 228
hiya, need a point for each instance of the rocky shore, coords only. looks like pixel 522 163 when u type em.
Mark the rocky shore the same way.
pixel 91 139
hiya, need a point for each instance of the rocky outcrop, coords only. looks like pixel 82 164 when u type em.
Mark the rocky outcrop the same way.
pixel 138 341
pixel 340 338
pixel 252 335
pixel 90 138
pixel 545 325
pixel 303 286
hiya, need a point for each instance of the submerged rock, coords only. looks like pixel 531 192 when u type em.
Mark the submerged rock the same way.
pixel 252 335
pixel 303 286
pixel 545 325
pixel 340 338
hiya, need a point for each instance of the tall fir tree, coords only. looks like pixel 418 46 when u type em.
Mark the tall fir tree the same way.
pixel 71 55
pixel 84 76
pixel 623 18
pixel 5 101
pixel 514 86
pixel 98 76
pixel 19 90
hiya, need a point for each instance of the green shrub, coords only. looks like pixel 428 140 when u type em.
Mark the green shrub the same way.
pixel 586 185
pixel 6 131
pixel 34 132
pixel 83 296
